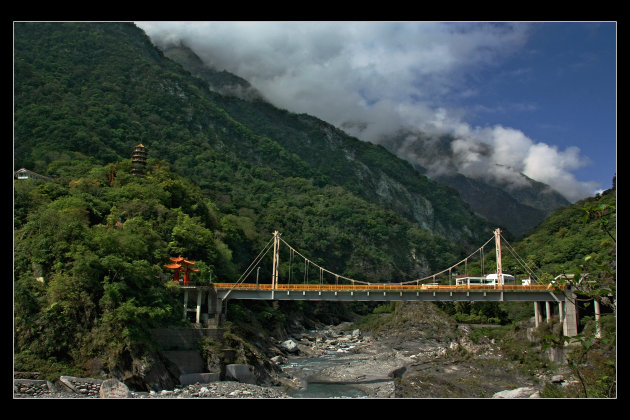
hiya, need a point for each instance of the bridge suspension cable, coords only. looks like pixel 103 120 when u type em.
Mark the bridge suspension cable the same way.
pixel 254 263
pixel 520 260
pixel 308 263
pixel 277 240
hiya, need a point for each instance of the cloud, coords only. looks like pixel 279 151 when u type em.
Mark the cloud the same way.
pixel 374 78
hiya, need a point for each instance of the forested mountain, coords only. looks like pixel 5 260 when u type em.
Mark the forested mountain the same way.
pixel 517 208
pixel 362 168
pixel 222 175
pixel 580 238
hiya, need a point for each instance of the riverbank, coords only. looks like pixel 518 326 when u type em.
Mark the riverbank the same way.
pixel 418 353
pixel 336 357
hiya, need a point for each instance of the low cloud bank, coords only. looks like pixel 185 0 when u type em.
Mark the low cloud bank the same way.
pixel 374 79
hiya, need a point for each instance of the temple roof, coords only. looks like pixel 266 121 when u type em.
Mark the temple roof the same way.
pixel 172 266
pixel 181 259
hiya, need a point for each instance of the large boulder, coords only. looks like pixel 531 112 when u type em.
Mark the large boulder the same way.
pixel 290 346
pixel 240 373
pixel 113 388
pixel 523 392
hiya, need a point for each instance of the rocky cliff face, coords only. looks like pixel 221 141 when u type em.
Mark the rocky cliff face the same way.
pixel 515 202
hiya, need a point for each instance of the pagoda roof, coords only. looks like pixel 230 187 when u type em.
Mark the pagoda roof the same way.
pixel 172 266
pixel 182 260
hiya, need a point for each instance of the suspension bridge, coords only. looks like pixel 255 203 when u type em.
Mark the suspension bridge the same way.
pixel 319 283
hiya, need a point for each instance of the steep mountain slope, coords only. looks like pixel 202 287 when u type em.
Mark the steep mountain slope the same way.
pixel 517 208
pixel 497 205
pixel 577 238
pixel 363 168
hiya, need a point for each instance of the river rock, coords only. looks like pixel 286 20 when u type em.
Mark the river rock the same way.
pixel 523 392
pixel 113 388
pixel 278 360
pixel 556 379
pixel 198 378
pixel 290 346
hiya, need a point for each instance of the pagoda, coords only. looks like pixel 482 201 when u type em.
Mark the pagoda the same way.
pixel 179 265
pixel 138 160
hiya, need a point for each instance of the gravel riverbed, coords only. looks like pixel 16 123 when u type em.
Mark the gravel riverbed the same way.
pixel 411 362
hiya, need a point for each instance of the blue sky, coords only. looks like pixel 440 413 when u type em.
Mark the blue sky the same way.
pixel 540 96
pixel 559 88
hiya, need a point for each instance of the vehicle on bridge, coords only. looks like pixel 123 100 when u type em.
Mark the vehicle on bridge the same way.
pixel 489 280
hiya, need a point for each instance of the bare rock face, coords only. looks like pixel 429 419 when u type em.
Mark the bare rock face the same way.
pixel 148 372
pixel 113 388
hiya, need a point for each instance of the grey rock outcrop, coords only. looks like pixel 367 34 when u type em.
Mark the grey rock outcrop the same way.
pixel 240 373
pixel 523 392
pixel 113 388
pixel 290 346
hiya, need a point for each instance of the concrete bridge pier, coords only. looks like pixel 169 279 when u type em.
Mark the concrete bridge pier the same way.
pixel 548 311
pixel 215 307
pixel 537 314
pixel 199 295
pixel 598 331
pixel 567 314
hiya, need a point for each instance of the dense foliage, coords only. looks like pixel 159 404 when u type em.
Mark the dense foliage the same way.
pixel 100 89
pixel 98 247
pixel 562 242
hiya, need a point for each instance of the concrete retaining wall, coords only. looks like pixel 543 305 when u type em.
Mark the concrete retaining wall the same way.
pixel 201 378
pixel 183 338
pixel 188 361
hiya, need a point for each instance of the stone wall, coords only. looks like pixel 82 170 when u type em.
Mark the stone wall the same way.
pixel 85 386
pixel 33 387
pixel 89 387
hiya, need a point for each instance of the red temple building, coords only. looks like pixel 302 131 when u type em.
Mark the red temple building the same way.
pixel 180 265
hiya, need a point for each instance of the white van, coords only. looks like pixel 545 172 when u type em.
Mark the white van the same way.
pixel 491 279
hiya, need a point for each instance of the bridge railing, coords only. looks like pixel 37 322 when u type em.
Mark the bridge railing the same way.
pixel 382 287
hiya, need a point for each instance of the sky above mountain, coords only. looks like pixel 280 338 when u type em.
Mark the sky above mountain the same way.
pixel 533 97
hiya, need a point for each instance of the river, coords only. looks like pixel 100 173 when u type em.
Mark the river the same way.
pixel 309 371
pixel 336 364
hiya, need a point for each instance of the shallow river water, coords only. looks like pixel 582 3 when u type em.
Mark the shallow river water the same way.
pixel 308 369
